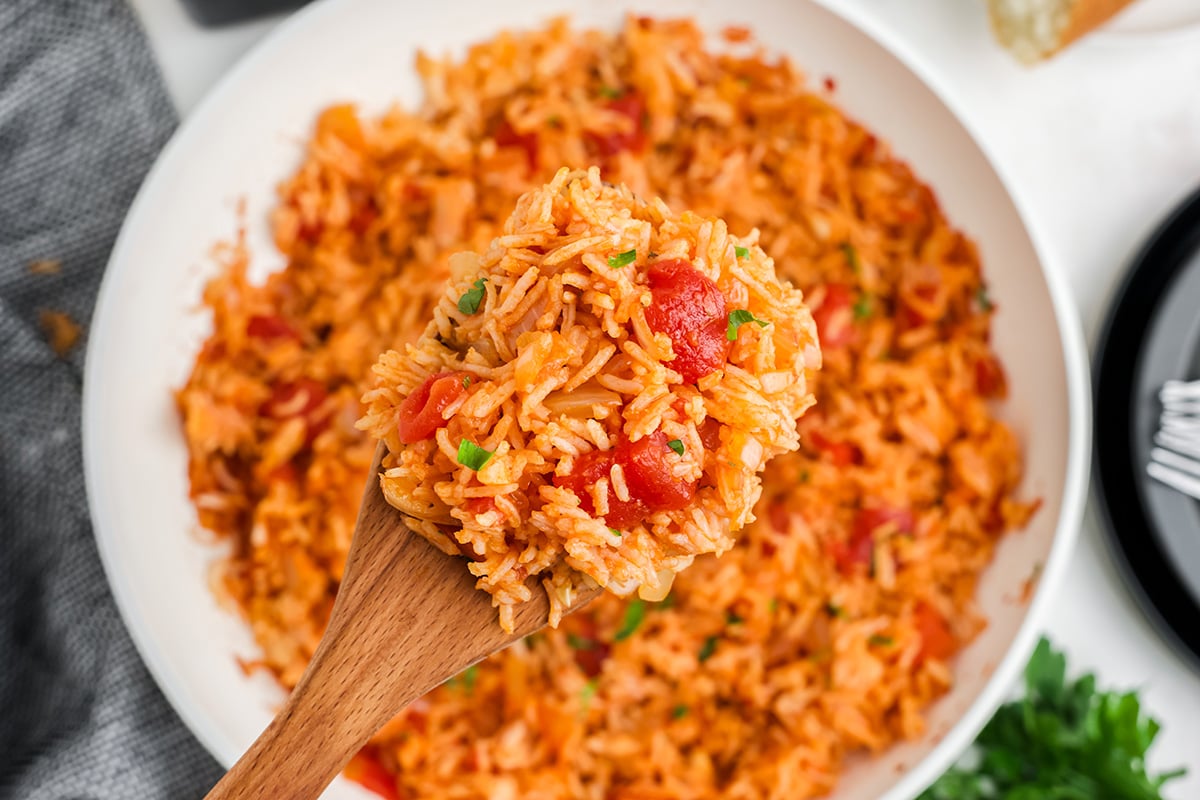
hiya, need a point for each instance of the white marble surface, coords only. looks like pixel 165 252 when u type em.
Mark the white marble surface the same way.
pixel 1100 142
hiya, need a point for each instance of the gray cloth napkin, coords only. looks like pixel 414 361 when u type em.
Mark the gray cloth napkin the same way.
pixel 82 114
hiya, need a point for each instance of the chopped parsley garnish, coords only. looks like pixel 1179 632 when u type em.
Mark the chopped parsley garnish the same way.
pixel 612 92
pixel 834 610
pixel 532 639
pixel 731 618
pixel 622 259
pixel 707 650
pixel 466 381
pixel 805 476
pixel 554 121
pixel 469 302
pixel 666 602
pixel 741 252
pixel 1063 739
pixel 587 693
pixel 614 531
pixel 862 307
pixel 578 642
pixel 739 317
pixel 653 254
pixel 472 455
pixel 635 612
pixel 985 302
pixel 676 445
pixel 880 641
pixel 679 712
pixel 773 606
pixel 851 257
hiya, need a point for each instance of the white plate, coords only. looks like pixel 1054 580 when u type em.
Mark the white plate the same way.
pixel 248 134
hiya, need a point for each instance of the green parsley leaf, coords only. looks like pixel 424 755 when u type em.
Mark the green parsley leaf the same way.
pixel 554 121
pixel 612 92
pixel 587 693
pixel 472 455
pixel 834 610
pixel 577 642
pixel 739 317
pixel 614 531
pixel 465 680
pixel 676 445
pixel 1064 739
pixel 881 641
pixel 679 712
pixel 985 302
pixel 707 650
pixel 622 259
pixel 731 618
pixel 533 639
pixel 741 252
pixel 851 257
pixel 805 476
pixel 773 606
pixel 635 612
pixel 466 381
pixel 666 602
pixel 469 302
pixel 862 307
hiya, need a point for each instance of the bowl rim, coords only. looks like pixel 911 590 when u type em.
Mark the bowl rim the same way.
pixel 1074 351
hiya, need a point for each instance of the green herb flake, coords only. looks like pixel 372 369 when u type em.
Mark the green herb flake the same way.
pixel 676 445
pixel 469 302
pixel 862 307
pixel 834 610
pixel 985 302
pixel 773 606
pixel 880 641
pixel 578 642
pixel 472 455
pixel 679 712
pixel 614 531
pixel 805 476
pixel 1063 739
pixel 653 254
pixel 587 693
pixel 466 381
pixel 707 650
pixel 635 612
pixel 612 92
pixel 732 618
pixel 622 259
pixel 465 680
pixel 741 252
pixel 739 317
pixel 533 639
pixel 851 255
pixel 666 603
pixel 554 121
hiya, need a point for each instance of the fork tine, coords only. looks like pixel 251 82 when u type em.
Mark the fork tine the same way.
pixel 1175 479
pixel 1182 463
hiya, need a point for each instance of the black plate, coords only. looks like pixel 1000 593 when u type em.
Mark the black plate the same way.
pixel 1152 335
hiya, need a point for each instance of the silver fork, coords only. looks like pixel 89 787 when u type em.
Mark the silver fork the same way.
pixel 1176 459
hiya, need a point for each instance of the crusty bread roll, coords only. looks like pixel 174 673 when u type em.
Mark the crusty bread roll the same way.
pixel 1037 29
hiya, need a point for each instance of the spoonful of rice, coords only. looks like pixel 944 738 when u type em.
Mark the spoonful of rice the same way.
pixel 588 410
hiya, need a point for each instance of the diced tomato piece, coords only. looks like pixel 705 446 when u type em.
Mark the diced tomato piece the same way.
pixel 366 770
pixel 588 469
pixel 365 212
pixel 591 653
pixel 647 464
pixel 835 317
pixel 270 327
pixel 481 505
pixel 304 398
pixel 842 454
pixel 689 308
pixel 856 551
pixel 937 642
pixel 310 232
pixel 507 136
pixel 710 434
pixel 420 415
pixel 778 516
pixel 990 380
pixel 633 139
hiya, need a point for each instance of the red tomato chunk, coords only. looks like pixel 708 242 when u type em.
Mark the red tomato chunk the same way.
pixel 835 317
pixel 647 467
pixel 633 138
pixel 302 398
pixel 868 522
pixel 507 136
pixel 270 327
pixel 688 307
pixel 420 415
pixel 365 770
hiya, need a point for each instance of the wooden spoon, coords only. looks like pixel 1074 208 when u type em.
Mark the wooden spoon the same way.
pixel 407 617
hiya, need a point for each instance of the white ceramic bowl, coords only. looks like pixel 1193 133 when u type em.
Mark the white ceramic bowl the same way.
pixel 249 133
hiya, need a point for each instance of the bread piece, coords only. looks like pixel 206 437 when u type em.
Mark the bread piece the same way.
pixel 1037 29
